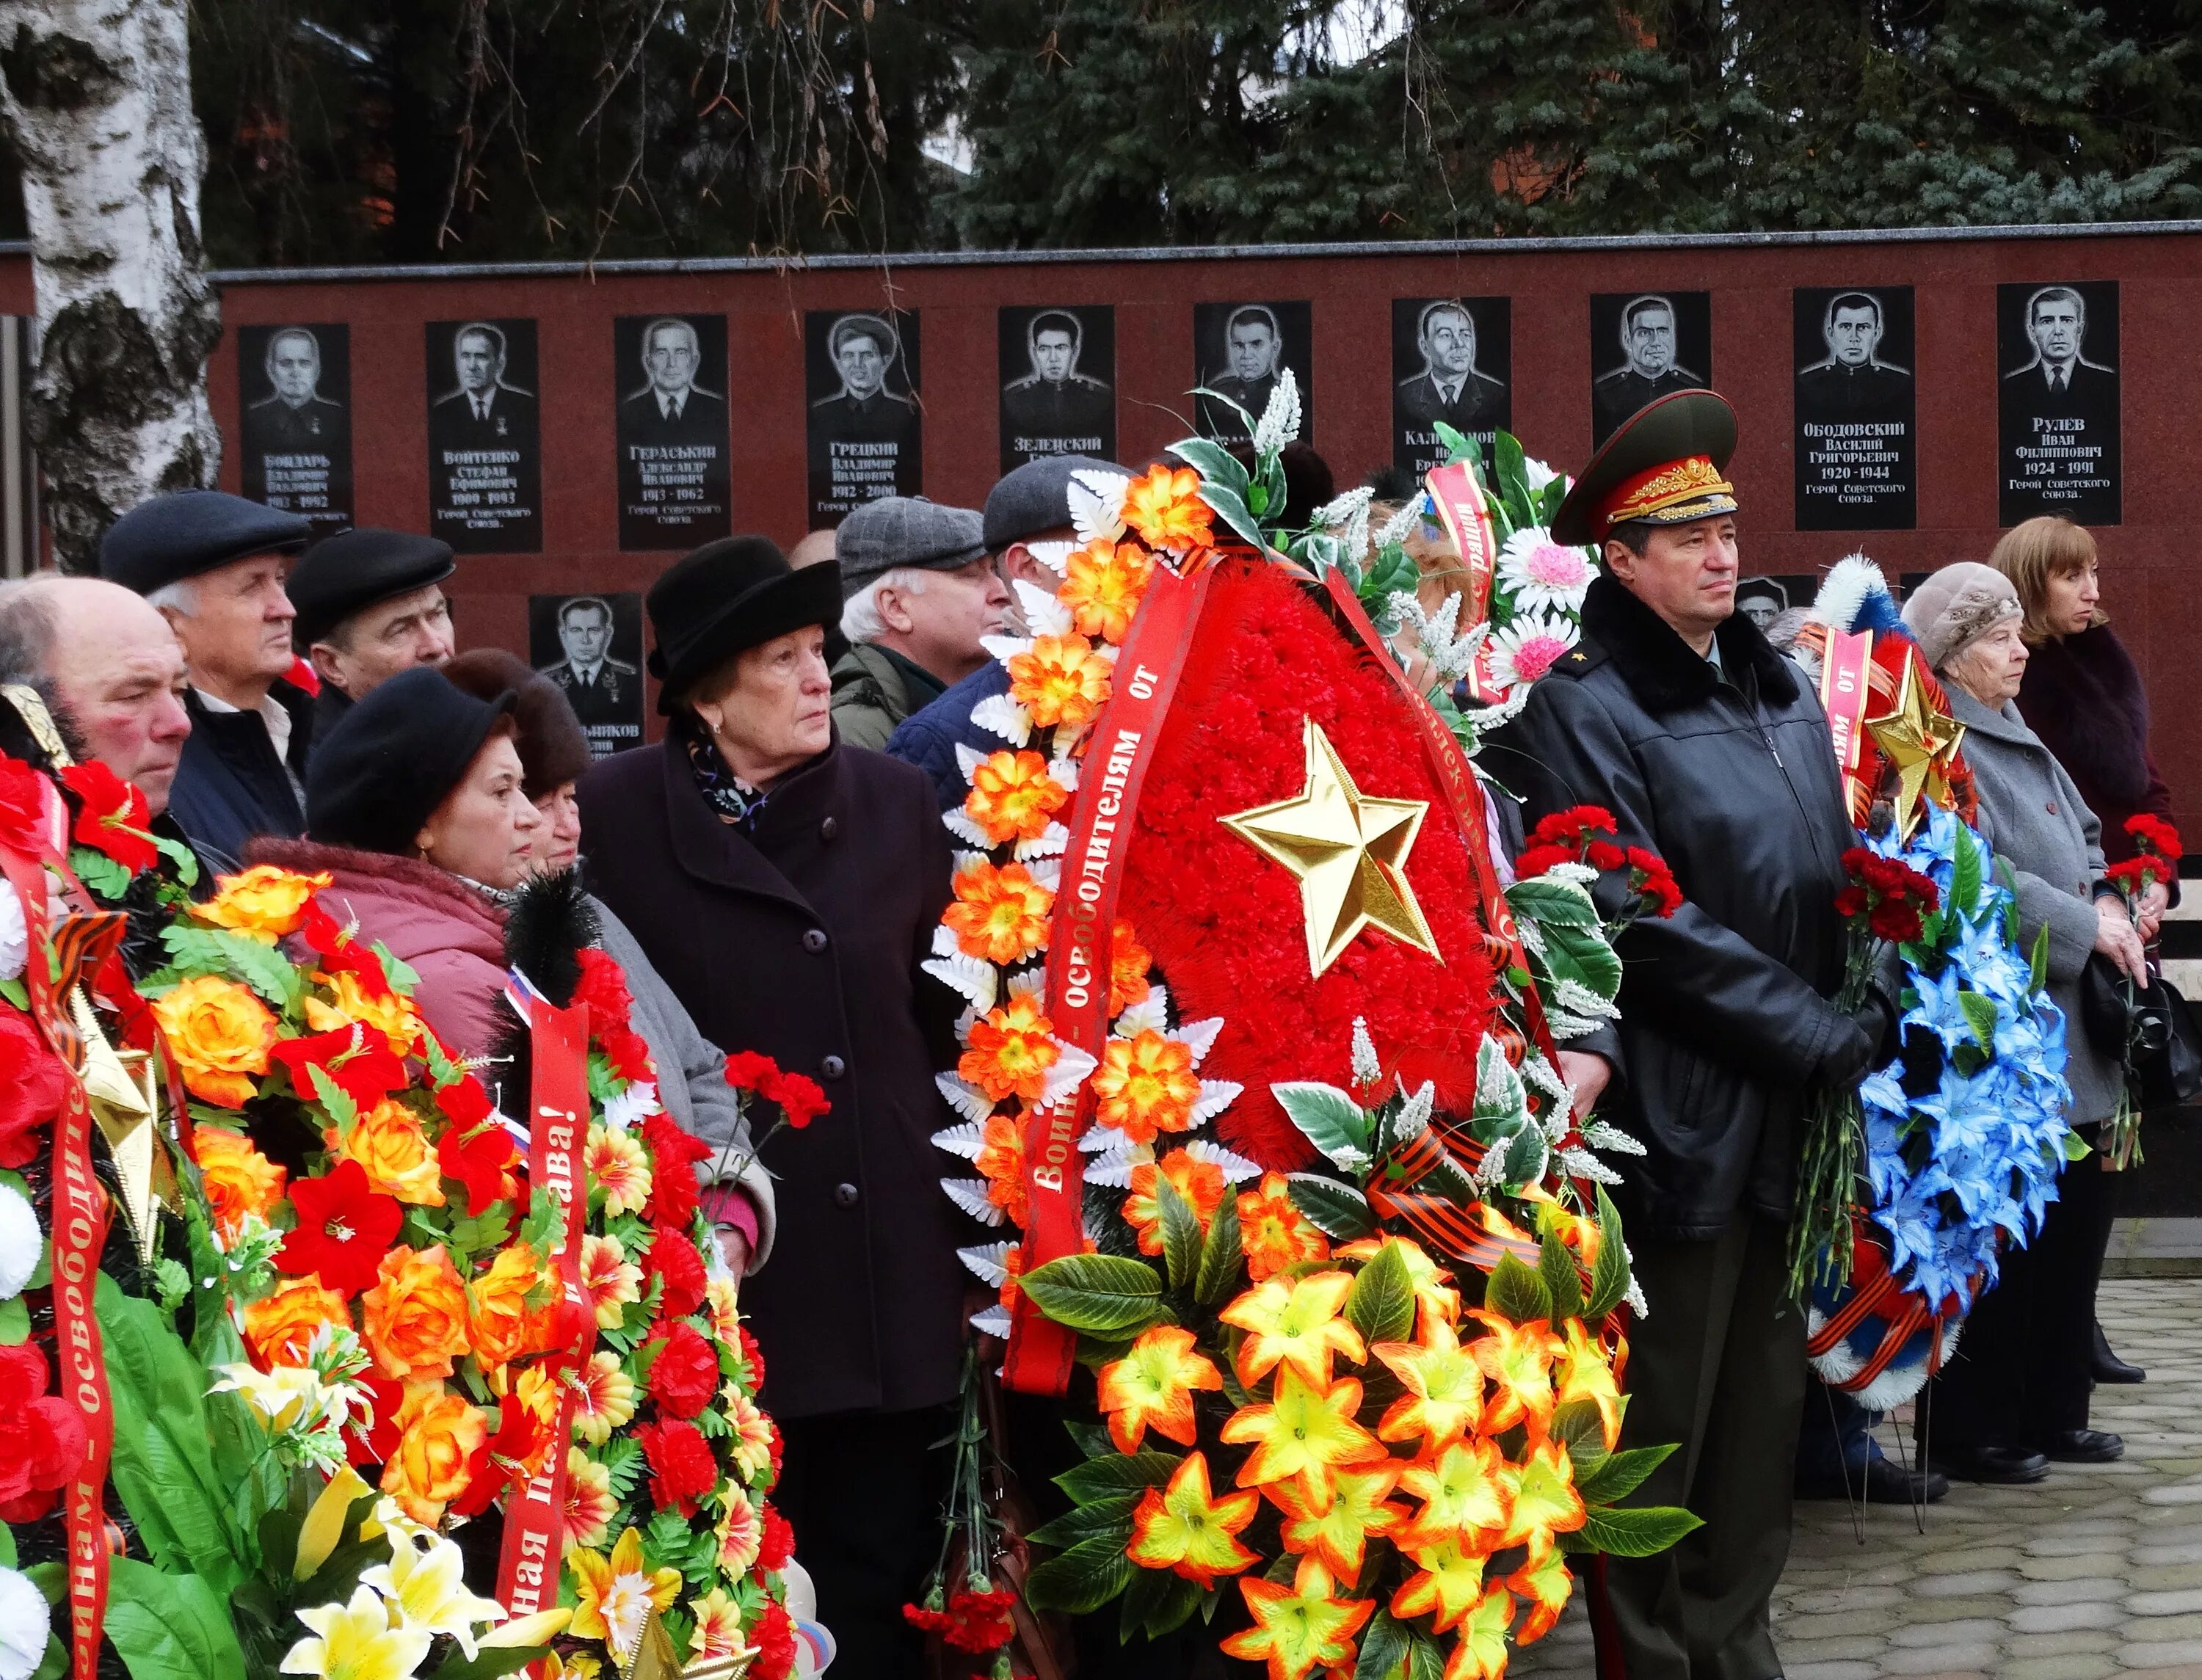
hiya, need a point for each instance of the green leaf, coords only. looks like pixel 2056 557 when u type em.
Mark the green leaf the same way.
pixel 1232 509
pixel 1220 1255
pixel 16 994
pixel 1338 1211
pixel 1965 875
pixel 1578 1425
pixel 1214 462
pixel 15 1322
pixel 1328 1118
pixel 266 970
pixel 1081 1580
pixel 1090 1439
pixel 1512 473
pixel 1514 1292
pixel 186 860
pixel 100 872
pixel 491 1663
pixel 1609 1273
pixel 1142 1596
pixel 1384 1646
pixel 2039 962
pixel 2074 1147
pixel 1180 1598
pixel 1982 1016
pixel 1111 1514
pixel 1636 1531
pixel 1526 1156
pixel 1100 1478
pixel 1556 1264
pixel 1381 1305
pixel 1182 1234
pixel 1620 1474
pixel 169 1626
pixel 7 1547
pixel 1426 1658
pixel 1098 1294
pixel 1457 446
pixel 1583 954
pixel 1552 904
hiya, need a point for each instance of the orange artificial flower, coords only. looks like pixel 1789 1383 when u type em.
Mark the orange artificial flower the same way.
pixel 218 1032
pixel 1001 1163
pixel 280 1328
pixel 1102 586
pixel 591 1504
pixel 388 1142
pixel 619 1166
pixel 1145 1085
pixel 1464 1490
pixel 1011 1049
pixel 604 1398
pixel 1200 1183
pixel 414 1318
pixel 500 1323
pixel 608 1279
pixel 1128 963
pixel 1275 1234
pixel 999 914
pixel 1447 1585
pixel 1478 1651
pixel 1300 1629
pixel 1546 1500
pixel 239 1179
pixel 1518 1361
pixel 394 1016
pixel 1339 1536
pixel 1444 1385
pixel 1153 1385
pixel 428 1467
pixel 1013 796
pixel 1545 1584
pixel 1294 1322
pixel 1060 680
pixel 1164 507
pixel 1582 1373
pixel 1184 1528
pixel 1305 1433
pixel 264 903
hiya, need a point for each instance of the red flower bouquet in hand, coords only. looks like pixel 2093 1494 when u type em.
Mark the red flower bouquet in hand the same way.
pixel 1588 835
pixel 1885 900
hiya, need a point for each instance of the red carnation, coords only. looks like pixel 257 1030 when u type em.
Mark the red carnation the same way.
pixel 775 1541
pixel 673 1155
pixel 673 1257
pixel 979 1622
pixel 1568 828
pixel 684 1371
pixel 775 1637
pixel 45 1443
pixel 1536 859
pixel 115 816
pixel 33 1093
pixel 1895 921
pixel 602 988
pixel 22 797
pixel 1651 879
pixel 1850 901
pixel 747 1070
pixel 344 1228
pixel 2152 833
pixel 481 1159
pixel 752 1356
pixel 682 1469
pixel 357 1062
pixel 1605 855
pixel 803 1099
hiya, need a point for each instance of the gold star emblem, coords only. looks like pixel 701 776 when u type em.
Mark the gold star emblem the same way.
pixel 119 1089
pixel 1348 852
pixel 1918 741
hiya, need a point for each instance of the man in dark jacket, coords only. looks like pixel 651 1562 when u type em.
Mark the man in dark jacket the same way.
pixel 370 603
pixel 1707 747
pixel 214 565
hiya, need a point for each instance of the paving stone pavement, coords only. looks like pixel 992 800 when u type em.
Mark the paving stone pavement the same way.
pixel 2095 1572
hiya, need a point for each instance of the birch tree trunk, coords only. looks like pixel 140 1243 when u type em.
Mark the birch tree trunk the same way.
pixel 96 96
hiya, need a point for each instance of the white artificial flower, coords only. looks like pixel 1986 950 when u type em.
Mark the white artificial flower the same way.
pixel 1280 421
pixel 632 1105
pixel 1401 525
pixel 1528 647
pixel 1541 574
pixel 427 1586
pixel 1366 1067
pixel 1348 516
pixel 25 1626
pixel 1537 473
pixel 14 937
pixel 21 1245
pixel 1448 655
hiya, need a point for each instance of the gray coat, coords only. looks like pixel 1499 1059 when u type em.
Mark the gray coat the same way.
pixel 2034 818
pixel 692 1073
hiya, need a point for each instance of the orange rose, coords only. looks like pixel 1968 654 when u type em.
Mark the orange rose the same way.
pixel 501 1326
pixel 415 1317
pixel 280 1327
pixel 400 1161
pixel 350 1001
pixel 218 1032
pixel 428 1469
pixel 239 1179
pixel 264 903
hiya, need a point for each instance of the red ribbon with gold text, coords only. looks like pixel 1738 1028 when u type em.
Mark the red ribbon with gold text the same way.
pixel 60 955
pixel 1846 687
pixel 1457 495
pixel 1110 775
pixel 558 1129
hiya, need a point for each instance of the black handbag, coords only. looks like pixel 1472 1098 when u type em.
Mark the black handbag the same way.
pixel 2174 1077
pixel 2147 1029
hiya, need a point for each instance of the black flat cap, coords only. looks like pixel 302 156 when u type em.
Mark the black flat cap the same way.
pixel 1035 497
pixel 188 532
pixel 728 595
pixel 391 758
pixel 357 569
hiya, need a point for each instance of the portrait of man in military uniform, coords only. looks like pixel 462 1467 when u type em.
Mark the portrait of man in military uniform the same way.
pixel 294 423
pixel 674 479
pixel 484 460
pixel 1855 448
pixel 591 645
pixel 1241 348
pixel 1450 362
pixel 1665 341
pixel 1058 396
pixel 865 434
pixel 2058 402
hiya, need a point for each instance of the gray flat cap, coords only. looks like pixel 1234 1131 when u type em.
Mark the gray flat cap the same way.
pixel 895 531
pixel 1035 497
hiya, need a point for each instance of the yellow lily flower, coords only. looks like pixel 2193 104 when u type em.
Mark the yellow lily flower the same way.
pixel 1305 1432
pixel 1583 1373
pixel 427 1586
pixel 325 1520
pixel 1479 1649
pixel 1544 1499
pixel 1294 1323
pixel 1153 1384
pixel 1444 1385
pixel 616 1594
pixel 1545 1584
pixel 1299 1629
pixel 1186 1529
pixel 356 1641
pixel 1518 1361
pixel 1462 1491
pixel 540 1629
pixel 1447 1585
pixel 1340 1536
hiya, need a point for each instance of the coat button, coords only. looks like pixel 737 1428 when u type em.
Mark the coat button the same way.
pixel 814 940
pixel 833 1067
pixel 830 828
pixel 844 1195
pixel 2052 807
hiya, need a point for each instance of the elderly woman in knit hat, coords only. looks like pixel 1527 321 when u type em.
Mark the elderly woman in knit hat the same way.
pixel 2016 1395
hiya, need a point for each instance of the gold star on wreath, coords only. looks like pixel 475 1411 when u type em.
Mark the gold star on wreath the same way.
pixel 1348 852
pixel 1918 741
pixel 118 1088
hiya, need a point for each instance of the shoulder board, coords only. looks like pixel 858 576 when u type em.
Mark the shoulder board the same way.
pixel 1584 657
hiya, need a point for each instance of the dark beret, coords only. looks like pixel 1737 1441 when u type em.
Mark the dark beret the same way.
pixel 385 766
pixel 1035 497
pixel 180 535
pixel 357 569
pixel 553 750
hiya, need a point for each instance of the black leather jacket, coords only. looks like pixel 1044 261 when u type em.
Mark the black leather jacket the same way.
pixel 1732 780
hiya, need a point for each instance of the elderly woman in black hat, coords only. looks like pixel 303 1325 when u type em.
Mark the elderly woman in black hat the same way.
pixel 787 888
